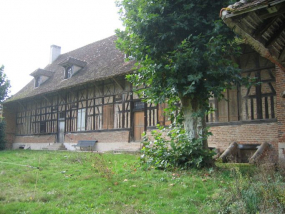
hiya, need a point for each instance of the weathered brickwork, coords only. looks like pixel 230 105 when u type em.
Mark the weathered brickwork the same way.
pixel 280 108
pixel 223 136
pixel 102 137
pixel 35 139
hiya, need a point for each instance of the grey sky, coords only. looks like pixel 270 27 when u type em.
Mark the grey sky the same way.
pixel 29 27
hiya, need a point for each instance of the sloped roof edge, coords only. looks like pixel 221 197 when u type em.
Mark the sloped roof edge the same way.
pixel 101 59
pixel 227 15
pixel 245 6
pixel 72 61
pixel 42 72
pixel 9 100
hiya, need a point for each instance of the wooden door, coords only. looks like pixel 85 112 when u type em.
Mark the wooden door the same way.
pixel 108 117
pixel 138 125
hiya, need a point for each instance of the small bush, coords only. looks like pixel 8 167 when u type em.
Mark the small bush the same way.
pixel 175 150
pixel 261 193
pixel 2 135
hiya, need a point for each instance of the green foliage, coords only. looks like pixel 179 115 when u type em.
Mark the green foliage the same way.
pixel 175 150
pixel 260 192
pixel 2 135
pixel 79 185
pixel 4 85
pixel 75 182
pixel 182 47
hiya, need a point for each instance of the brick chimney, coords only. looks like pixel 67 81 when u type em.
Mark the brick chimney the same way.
pixel 54 53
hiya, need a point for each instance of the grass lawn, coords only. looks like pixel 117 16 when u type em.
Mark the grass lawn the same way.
pixel 70 182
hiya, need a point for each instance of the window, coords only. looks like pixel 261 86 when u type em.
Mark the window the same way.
pixel 38 81
pixel 108 117
pixel 68 72
pixel 42 127
pixel 225 110
pixel 81 119
pixel 138 106
pixel 62 114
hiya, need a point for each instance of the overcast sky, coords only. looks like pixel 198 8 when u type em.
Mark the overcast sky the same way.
pixel 29 27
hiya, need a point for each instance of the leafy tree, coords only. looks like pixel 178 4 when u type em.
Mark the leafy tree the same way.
pixel 4 89
pixel 4 85
pixel 183 52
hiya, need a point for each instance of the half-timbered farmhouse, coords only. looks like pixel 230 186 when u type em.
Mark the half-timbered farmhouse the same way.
pixel 80 95
pixel 83 94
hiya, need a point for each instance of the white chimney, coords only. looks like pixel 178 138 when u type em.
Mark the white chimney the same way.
pixel 54 53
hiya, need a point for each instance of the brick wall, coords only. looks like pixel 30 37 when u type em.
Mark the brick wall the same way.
pixel 9 114
pixel 35 139
pixel 223 136
pixel 280 109
pixel 102 137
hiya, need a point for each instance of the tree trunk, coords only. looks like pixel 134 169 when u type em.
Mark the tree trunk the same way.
pixel 194 124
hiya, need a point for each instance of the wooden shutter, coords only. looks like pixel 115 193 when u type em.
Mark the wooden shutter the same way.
pixel 223 109
pixel 108 117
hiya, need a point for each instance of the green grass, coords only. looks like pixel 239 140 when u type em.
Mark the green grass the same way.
pixel 69 182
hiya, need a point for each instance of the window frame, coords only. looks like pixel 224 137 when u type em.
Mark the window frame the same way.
pixel 81 119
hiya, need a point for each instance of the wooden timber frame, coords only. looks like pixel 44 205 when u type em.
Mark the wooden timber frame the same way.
pixel 105 105
pixel 241 103
pixel 111 104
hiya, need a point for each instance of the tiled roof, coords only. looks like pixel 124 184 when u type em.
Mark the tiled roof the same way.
pixel 42 72
pixel 102 60
pixel 243 6
pixel 261 24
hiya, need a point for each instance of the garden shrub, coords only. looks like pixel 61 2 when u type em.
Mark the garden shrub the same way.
pixel 263 192
pixel 171 148
pixel 2 135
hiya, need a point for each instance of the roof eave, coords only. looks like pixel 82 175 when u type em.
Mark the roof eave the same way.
pixel 255 44
pixel 65 88
pixel 258 7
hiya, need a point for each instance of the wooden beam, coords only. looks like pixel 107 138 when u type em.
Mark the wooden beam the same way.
pixel 270 15
pixel 122 87
pixel 263 95
pixel 22 105
pixel 259 153
pixel 98 90
pixel 271 87
pixel 276 35
pixel 281 56
pixel 46 99
pixel 258 89
pixel 257 34
pixel 272 106
pixel 257 69
pixel 256 45
pixel 230 153
pixel 64 98
pixel 145 117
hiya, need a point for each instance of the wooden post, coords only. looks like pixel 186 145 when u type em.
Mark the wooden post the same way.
pixel 260 151
pixel 258 89
pixel 131 113
pixel 232 150
pixel 145 117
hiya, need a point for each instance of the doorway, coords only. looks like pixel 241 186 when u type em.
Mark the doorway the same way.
pixel 138 125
